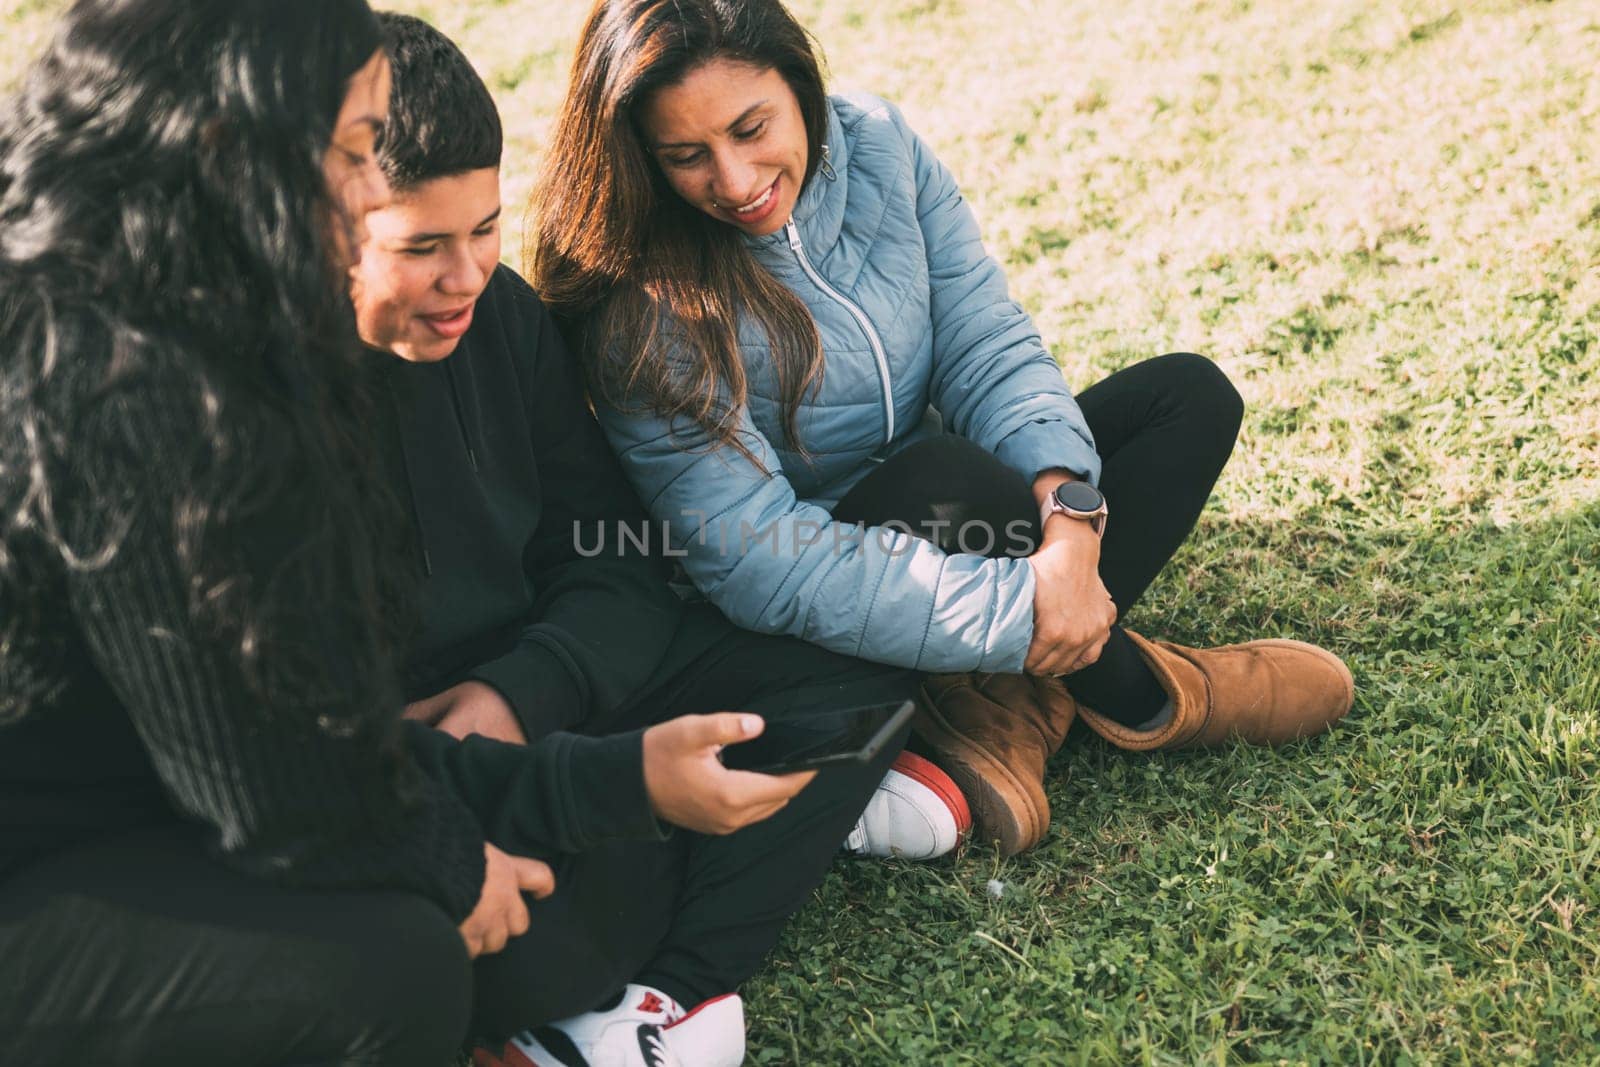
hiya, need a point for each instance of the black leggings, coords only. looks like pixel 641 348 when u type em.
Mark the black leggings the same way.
pixel 1164 430
pixel 142 950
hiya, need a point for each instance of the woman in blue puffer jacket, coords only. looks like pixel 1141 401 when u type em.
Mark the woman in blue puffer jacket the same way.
pixel 818 383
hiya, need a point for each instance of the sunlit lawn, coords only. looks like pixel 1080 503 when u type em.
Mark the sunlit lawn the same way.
pixel 1383 220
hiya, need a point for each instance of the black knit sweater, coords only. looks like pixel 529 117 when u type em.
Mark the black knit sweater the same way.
pixel 146 719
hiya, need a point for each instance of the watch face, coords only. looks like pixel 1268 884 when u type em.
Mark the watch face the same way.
pixel 1079 496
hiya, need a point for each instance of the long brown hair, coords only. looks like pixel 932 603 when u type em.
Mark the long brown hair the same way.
pixel 617 250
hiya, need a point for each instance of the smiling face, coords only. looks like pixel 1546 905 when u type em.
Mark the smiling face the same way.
pixel 349 166
pixel 428 257
pixel 731 140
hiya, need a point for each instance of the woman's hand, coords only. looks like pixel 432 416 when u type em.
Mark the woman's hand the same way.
pixel 689 786
pixel 1072 612
pixel 501 913
pixel 469 708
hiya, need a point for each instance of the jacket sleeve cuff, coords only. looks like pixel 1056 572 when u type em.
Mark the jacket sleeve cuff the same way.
pixel 562 794
pixel 1012 633
pixel 542 688
pixel 608 773
pixel 1041 446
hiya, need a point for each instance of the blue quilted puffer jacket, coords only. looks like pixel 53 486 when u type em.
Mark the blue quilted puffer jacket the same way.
pixel 920 337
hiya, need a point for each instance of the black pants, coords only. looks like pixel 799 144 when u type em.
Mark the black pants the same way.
pixel 140 949
pixel 694 917
pixel 1164 430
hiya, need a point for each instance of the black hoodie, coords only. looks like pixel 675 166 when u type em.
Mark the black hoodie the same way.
pixel 504 467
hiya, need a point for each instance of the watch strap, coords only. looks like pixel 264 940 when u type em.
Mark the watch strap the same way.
pixel 1096 519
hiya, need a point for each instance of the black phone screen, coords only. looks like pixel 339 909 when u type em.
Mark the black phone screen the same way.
pixel 851 736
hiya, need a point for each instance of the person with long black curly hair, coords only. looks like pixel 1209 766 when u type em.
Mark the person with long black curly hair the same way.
pixel 193 750
pixel 218 836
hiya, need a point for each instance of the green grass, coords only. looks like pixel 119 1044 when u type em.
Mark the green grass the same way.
pixel 1383 220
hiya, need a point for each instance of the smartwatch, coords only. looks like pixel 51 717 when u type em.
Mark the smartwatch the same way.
pixel 1076 500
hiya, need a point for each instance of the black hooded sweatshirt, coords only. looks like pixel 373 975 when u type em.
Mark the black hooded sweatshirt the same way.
pixel 518 501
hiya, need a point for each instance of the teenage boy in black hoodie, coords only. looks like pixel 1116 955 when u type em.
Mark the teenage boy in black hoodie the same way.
pixel 527 630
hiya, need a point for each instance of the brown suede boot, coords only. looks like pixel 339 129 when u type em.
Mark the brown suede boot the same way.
pixel 1263 692
pixel 992 733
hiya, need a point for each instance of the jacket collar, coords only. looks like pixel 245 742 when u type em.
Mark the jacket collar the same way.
pixel 820 210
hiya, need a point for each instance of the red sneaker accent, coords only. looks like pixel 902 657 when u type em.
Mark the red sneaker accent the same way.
pixel 944 787
pixel 509 1056
pixel 652 1004
pixel 698 1008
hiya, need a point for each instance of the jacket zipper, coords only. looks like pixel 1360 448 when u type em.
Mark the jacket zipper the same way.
pixel 861 320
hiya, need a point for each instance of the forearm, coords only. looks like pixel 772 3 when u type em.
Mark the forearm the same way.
pixel 1045 482
pixel 1059 528
pixel 560 794
pixel 993 379
pixel 592 638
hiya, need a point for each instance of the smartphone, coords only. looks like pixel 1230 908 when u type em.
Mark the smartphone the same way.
pixel 853 738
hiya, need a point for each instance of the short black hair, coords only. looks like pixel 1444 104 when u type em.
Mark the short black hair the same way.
pixel 442 120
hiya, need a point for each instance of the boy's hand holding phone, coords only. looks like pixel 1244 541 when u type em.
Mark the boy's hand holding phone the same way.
pixel 689 786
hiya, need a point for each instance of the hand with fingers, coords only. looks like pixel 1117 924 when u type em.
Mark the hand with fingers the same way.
pixel 469 708
pixel 689 786
pixel 501 912
pixel 1072 611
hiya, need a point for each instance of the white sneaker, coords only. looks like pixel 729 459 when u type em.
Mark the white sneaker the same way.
pixel 916 813
pixel 646 1028
pixel 712 1035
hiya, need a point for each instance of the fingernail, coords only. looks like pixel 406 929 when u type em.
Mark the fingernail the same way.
pixel 751 724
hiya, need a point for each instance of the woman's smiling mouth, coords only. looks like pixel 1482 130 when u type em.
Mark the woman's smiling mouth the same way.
pixel 757 209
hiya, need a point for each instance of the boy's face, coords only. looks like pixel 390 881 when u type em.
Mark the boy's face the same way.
pixel 427 258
